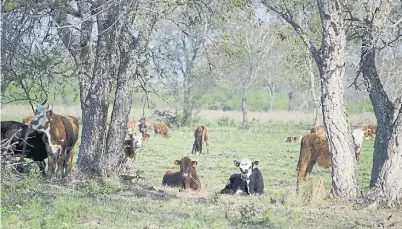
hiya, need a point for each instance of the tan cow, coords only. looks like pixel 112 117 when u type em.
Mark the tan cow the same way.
pixel 187 178
pixel 200 135
pixel 313 149
pixel 161 129
pixel 27 120
pixel 369 131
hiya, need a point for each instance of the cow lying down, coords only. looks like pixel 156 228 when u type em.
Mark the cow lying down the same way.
pixel 248 181
pixel 187 178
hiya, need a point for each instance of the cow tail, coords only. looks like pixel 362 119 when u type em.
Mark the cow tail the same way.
pixel 302 144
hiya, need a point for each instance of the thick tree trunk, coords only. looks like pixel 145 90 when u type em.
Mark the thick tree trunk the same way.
pixel 244 109
pixel 386 174
pixel 95 98
pixel 335 116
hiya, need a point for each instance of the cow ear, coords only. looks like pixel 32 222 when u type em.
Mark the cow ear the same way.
pixel 194 163
pixel 255 163
pixel 177 162
pixel 236 163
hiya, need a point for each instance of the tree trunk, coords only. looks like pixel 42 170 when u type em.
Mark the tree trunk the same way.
pixel 317 104
pixel 386 174
pixel 244 109
pixel 187 111
pixel 290 97
pixel 95 98
pixel 336 122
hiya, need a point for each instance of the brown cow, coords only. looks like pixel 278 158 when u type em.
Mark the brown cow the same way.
pixel 369 131
pixel 62 132
pixel 161 129
pixel 187 178
pixel 313 149
pixel 132 126
pixel 200 135
pixel 27 120
pixel 320 130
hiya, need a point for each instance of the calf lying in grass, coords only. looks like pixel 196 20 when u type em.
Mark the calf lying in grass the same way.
pixel 249 181
pixel 187 178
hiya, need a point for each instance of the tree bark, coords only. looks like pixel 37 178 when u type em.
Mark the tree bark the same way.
pixel 386 174
pixel 317 103
pixel 335 116
pixel 95 97
pixel 187 108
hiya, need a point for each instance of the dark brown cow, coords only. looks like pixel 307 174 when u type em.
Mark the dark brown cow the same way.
pixel 369 131
pixel 62 132
pixel 161 129
pixel 200 135
pixel 187 178
pixel 27 120
pixel 314 149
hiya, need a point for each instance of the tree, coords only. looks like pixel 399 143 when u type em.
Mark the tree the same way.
pixel 330 60
pixel 386 175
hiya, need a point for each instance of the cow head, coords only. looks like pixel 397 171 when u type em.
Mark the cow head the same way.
pixel 246 167
pixel 186 165
pixel 41 116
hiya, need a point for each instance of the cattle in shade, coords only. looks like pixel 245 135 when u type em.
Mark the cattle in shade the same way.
pixel 62 132
pixel 132 147
pixel 35 147
pixel 186 178
pixel 200 136
pixel 314 149
pixel 27 120
pixel 248 181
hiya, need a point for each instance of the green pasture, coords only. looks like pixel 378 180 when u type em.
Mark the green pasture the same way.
pixel 76 203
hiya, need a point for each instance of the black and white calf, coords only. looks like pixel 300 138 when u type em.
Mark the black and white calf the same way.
pixel 249 181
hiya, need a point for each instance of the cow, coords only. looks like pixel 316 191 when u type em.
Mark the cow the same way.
pixel 161 129
pixel 200 135
pixel 36 144
pixel 132 126
pixel 369 131
pixel 143 125
pixel 145 137
pixel 320 130
pixel 293 139
pixel 313 149
pixel 187 178
pixel 250 180
pixel 132 147
pixel 62 132
pixel 358 136
pixel 27 120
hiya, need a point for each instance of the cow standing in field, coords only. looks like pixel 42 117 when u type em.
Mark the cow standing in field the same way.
pixel 358 137
pixel 62 132
pixel 200 135
pixel 36 144
pixel 293 139
pixel 132 147
pixel 314 149
pixel 249 181
pixel 161 129
pixel 187 178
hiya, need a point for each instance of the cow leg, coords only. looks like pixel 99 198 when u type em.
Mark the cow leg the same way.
pixel 200 143
pixel 51 160
pixel 194 148
pixel 300 175
pixel 206 145
pixel 309 170
pixel 42 167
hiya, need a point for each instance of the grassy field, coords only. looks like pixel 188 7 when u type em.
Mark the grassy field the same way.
pixel 76 203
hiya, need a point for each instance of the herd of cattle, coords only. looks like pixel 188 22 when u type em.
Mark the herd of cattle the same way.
pixel 46 135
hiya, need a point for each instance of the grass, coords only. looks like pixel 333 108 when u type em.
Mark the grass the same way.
pixel 34 203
